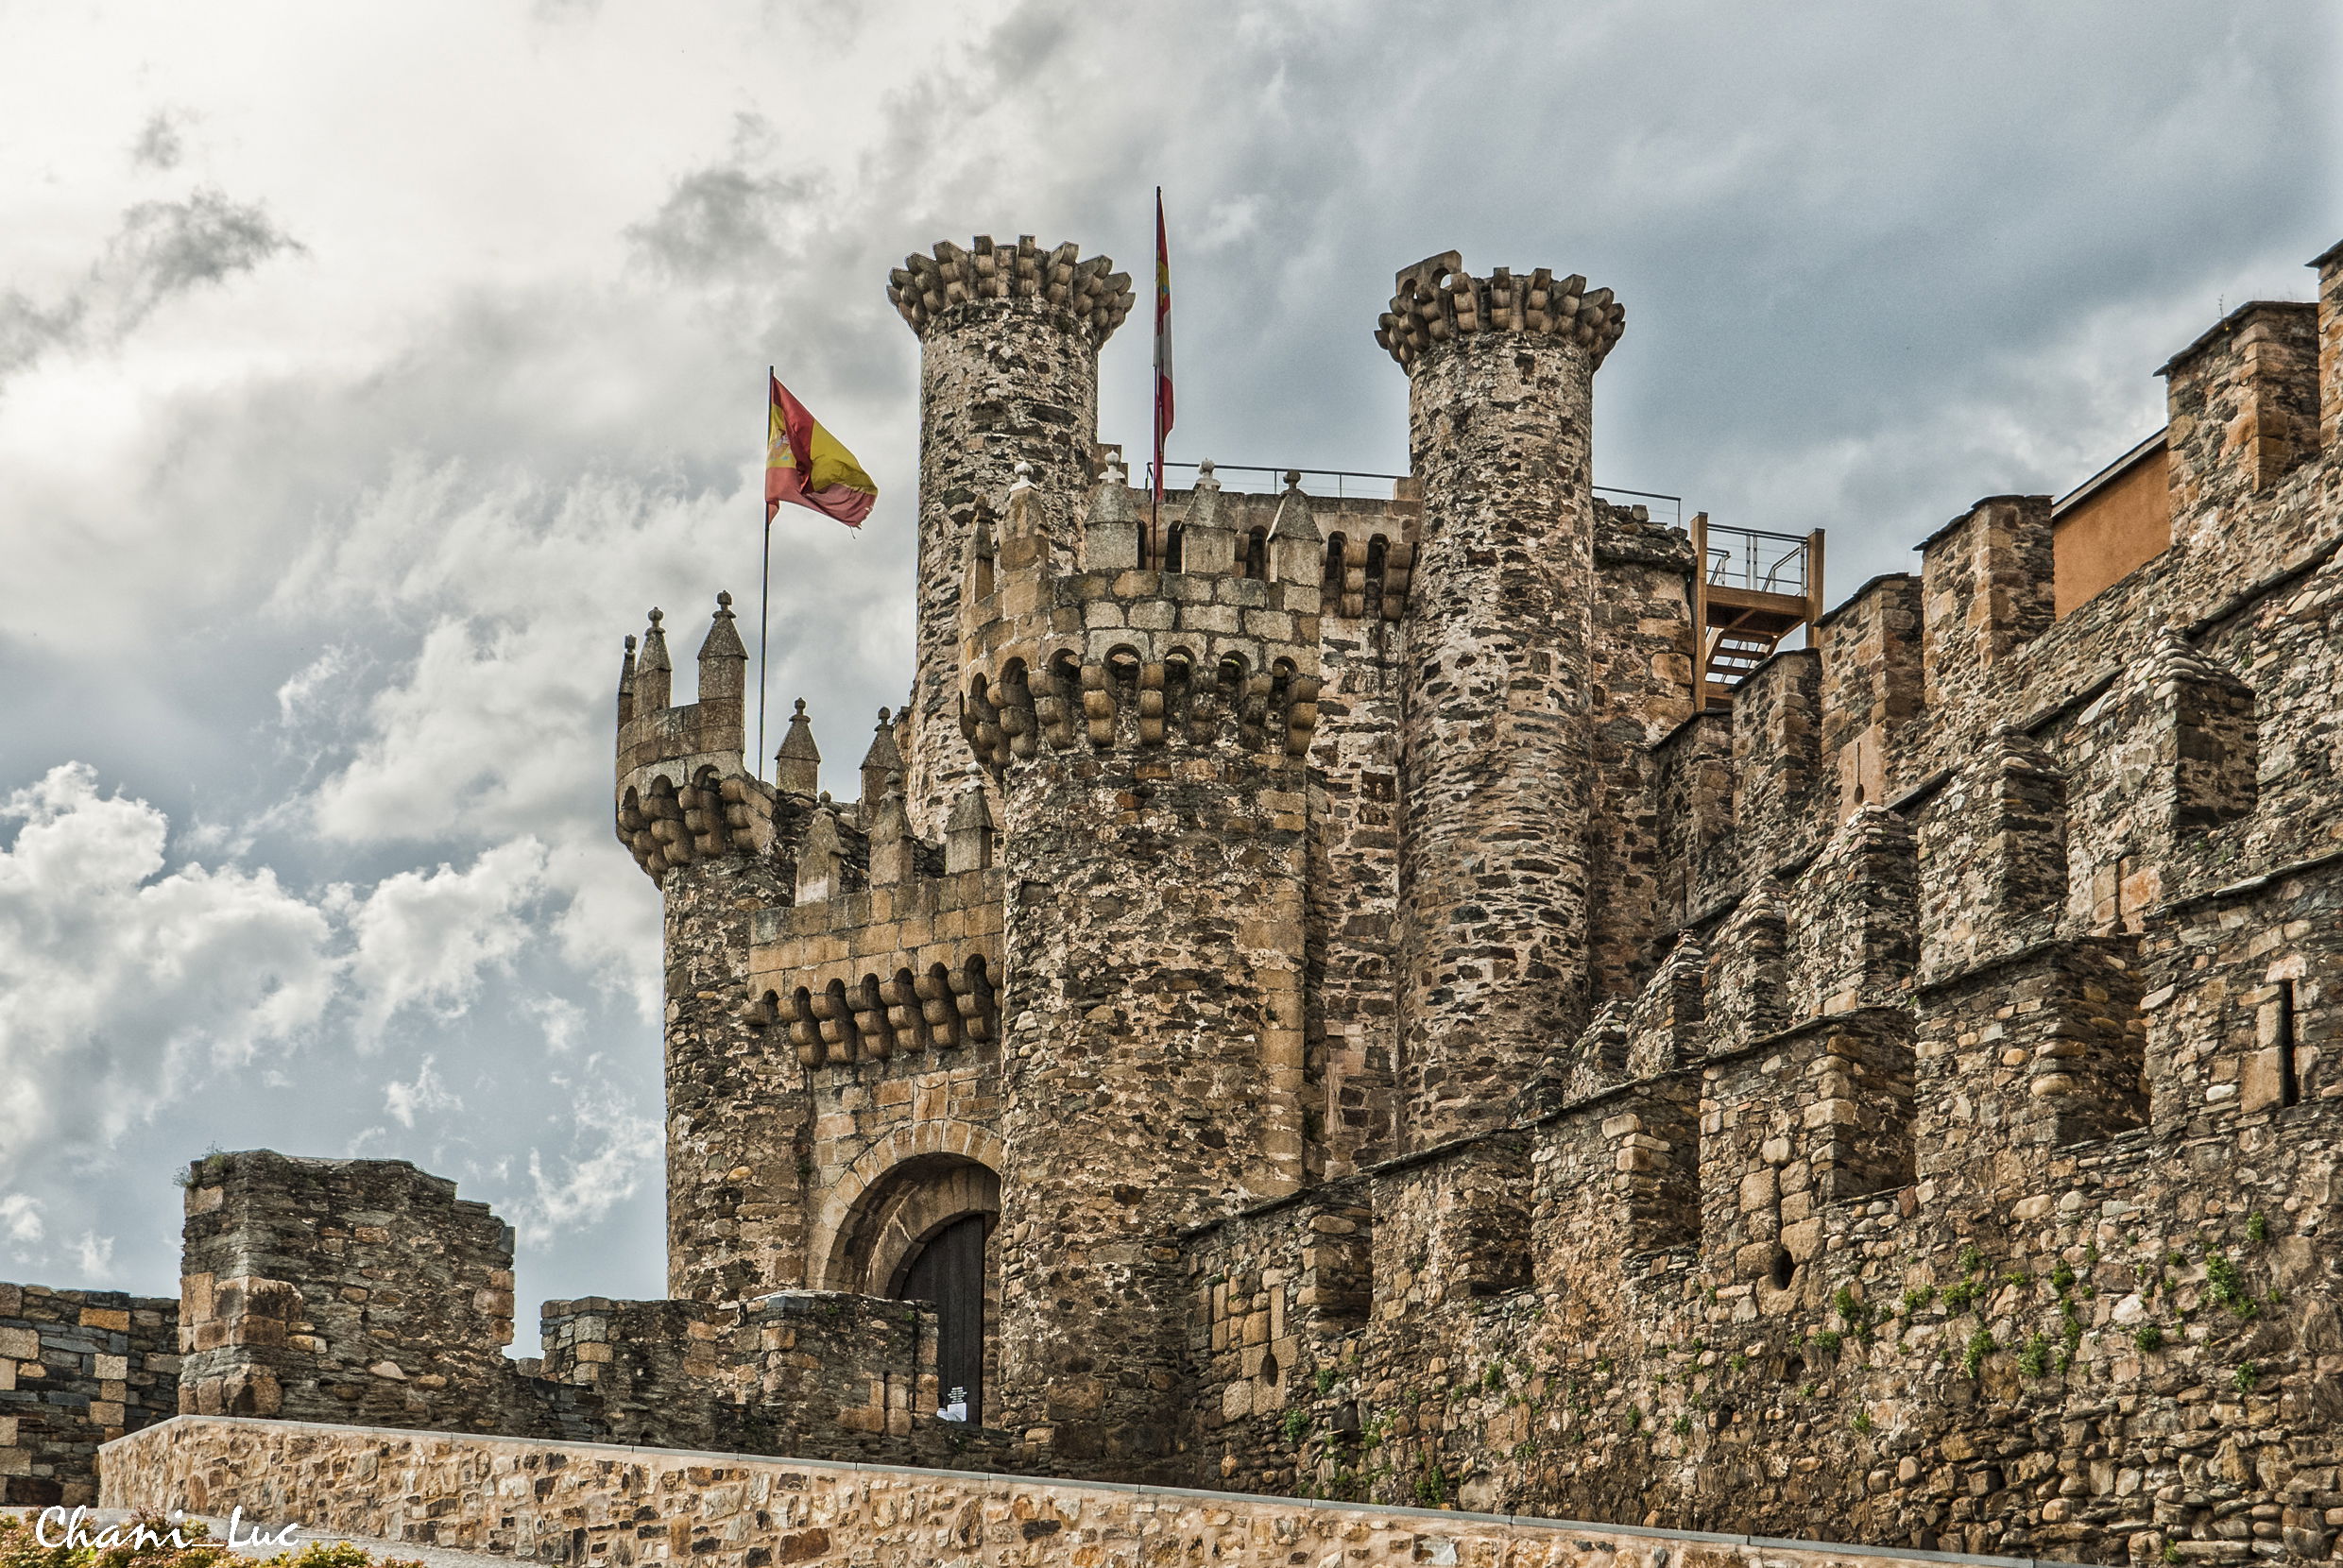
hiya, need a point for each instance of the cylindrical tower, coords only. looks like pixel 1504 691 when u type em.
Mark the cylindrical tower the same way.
pixel 1495 764
pixel 1008 374
pixel 702 827
pixel 1148 735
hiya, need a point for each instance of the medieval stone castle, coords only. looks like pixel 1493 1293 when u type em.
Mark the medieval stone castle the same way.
pixel 1443 999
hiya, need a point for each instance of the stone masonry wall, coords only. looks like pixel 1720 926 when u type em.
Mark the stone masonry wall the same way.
pixel 78 1368
pixel 582 1503
pixel 318 1289
pixel 325 1290
pixel 2014 947
pixel 1147 729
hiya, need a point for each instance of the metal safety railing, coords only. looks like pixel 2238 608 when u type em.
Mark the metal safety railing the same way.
pixel 1351 482
pixel 1761 562
pixel 1675 504
pixel 1348 483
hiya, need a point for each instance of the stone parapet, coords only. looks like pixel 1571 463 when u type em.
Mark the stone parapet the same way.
pixel 588 1503
pixel 1437 301
pixel 78 1368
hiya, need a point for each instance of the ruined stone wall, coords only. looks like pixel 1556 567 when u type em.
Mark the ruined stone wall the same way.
pixel 333 1290
pixel 319 1288
pixel 78 1368
pixel 815 1374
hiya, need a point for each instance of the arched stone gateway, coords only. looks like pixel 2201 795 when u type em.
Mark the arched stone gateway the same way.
pixel 918 1232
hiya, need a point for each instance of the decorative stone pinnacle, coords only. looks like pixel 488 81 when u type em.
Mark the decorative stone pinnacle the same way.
pixel 723 600
pixel 657 615
pixel 1437 300
pixel 1094 297
pixel 1293 479
pixel 630 642
pixel 1025 476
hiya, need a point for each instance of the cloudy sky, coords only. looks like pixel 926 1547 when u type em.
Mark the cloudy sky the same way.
pixel 366 371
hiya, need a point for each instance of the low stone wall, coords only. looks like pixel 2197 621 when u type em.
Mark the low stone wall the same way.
pixel 618 1506
pixel 77 1368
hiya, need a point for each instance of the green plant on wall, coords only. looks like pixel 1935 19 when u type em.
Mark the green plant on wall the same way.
pixel 2226 1287
pixel 1981 1344
pixel 1296 1426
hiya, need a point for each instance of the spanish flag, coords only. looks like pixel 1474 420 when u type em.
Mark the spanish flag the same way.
pixel 805 464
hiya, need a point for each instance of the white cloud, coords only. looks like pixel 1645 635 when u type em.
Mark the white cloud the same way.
pixel 613 1145
pixel 94 1254
pixel 119 982
pixel 427 939
pixel 20 1219
pixel 427 1093
pixel 562 1019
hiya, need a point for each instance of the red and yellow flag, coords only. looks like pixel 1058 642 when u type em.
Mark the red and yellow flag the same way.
pixel 806 464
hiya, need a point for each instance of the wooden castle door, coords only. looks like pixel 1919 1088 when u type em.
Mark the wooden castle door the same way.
pixel 948 1274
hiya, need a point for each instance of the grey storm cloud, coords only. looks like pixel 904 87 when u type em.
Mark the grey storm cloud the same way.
pixel 316 591
pixel 162 250
pixel 159 145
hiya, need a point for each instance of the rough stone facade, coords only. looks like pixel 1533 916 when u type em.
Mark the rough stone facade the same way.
pixel 78 1368
pixel 1312 999
pixel 618 1507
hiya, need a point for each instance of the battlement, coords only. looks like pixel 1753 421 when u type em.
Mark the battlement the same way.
pixel 683 794
pixel 1224 647
pixel 1437 301
pixel 936 290
pixel 898 971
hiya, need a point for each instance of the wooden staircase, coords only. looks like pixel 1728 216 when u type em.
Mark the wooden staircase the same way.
pixel 1753 590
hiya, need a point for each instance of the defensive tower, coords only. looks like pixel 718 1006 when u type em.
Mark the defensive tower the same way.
pixel 702 827
pixel 1009 339
pixel 1495 770
pixel 1149 732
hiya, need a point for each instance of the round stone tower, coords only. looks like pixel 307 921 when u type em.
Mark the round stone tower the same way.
pixel 1148 733
pixel 1008 374
pixel 1495 758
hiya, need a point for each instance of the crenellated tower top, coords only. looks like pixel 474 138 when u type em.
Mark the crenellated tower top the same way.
pixel 682 793
pixel 1009 339
pixel 1436 302
pixel 933 288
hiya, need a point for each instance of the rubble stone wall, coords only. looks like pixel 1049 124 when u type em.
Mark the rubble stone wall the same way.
pixel 78 1368
pixel 580 1504
pixel 2010 950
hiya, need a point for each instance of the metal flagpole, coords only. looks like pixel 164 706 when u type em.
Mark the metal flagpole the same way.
pixel 1153 553
pixel 764 577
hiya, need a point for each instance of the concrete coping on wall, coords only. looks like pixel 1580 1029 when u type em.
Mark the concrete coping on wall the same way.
pixel 847 1467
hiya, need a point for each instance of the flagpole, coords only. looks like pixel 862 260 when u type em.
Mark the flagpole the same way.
pixel 765 582
pixel 1155 490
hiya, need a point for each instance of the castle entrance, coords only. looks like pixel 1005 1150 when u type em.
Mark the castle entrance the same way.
pixel 948 1272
